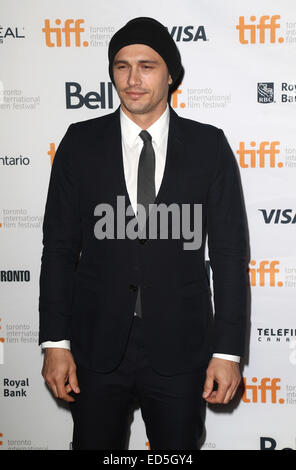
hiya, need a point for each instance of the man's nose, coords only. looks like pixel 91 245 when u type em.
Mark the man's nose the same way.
pixel 134 76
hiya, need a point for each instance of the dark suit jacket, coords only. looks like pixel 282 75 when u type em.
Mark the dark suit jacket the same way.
pixel 88 286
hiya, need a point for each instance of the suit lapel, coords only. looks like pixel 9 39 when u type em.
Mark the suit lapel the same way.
pixel 173 159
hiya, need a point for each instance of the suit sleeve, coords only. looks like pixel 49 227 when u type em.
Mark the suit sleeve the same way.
pixel 228 253
pixel 61 244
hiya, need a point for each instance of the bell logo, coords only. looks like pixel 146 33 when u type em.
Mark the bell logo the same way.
pixel 265 267
pixel 175 101
pixel 54 36
pixel 262 156
pixel 265 392
pixel 248 32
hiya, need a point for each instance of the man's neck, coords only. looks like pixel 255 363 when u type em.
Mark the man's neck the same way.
pixel 145 120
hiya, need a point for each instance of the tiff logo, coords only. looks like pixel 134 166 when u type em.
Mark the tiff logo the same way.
pixel 266 392
pixel 66 35
pixel 262 156
pixel 248 31
pixel 174 99
pixel 265 267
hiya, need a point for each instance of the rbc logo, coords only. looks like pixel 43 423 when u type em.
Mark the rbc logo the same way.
pixel 265 92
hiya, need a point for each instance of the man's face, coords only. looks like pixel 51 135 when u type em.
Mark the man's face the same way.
pixel 141 78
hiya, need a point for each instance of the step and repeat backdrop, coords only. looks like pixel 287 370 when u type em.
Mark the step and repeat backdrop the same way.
pixel 240 75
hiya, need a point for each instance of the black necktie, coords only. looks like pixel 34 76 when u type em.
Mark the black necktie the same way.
pixel 146 190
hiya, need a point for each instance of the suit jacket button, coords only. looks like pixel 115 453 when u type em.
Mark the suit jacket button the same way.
pixel 133 288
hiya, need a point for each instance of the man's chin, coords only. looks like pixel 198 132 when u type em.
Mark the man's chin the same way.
pixel 137 108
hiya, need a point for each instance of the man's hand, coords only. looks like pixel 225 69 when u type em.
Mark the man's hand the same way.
pixel 227 375
pixel 58 369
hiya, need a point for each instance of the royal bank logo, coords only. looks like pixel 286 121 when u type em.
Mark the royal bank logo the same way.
pixel 285 91
pixel 15 388
pixel 265 92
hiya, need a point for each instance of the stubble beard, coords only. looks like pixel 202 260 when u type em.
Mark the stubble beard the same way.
pixel 138 108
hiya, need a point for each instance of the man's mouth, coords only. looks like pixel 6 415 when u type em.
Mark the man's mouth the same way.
pixel 135 94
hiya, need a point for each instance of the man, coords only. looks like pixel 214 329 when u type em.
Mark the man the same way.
pixel 130 318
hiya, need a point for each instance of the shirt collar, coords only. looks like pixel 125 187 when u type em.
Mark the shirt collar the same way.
pixel 158 130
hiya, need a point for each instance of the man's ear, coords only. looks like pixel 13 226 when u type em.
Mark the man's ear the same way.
pixel 170 80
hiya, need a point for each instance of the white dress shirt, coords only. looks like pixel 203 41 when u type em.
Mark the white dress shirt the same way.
pixel 132 145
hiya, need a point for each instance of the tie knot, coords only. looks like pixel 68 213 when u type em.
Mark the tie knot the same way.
pixel 145 136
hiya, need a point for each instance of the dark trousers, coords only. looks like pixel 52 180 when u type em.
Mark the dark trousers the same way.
pixel 172 406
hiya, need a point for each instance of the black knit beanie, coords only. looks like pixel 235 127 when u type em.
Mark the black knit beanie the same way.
pixel 150 32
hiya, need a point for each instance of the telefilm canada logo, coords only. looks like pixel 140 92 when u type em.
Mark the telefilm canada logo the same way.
pixel 276 335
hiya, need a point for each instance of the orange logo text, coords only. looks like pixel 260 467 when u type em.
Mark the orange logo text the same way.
pixel 67 34
pixel 266 391
pixel 262 156
pixel 256 30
